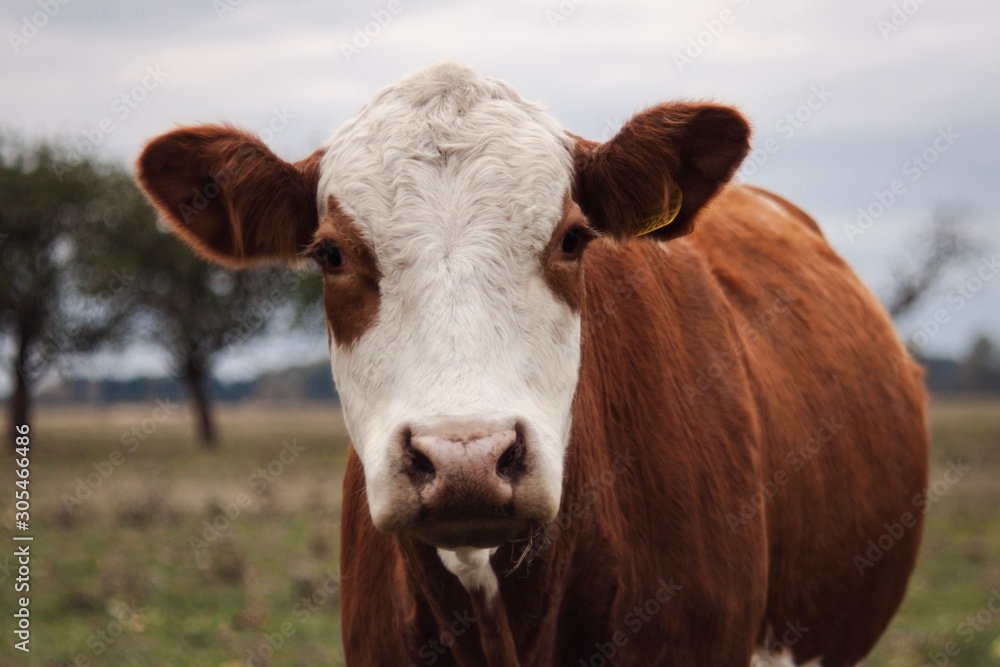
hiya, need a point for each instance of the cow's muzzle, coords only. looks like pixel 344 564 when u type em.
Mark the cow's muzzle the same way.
pixel 467 481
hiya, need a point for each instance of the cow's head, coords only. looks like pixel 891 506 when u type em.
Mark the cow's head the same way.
pixel 450 219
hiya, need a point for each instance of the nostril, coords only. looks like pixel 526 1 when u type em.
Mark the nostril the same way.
pixel 421 464
pixel 511 464
pixel 419 467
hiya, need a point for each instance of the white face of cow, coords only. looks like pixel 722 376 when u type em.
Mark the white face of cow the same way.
pixel 448 219
pixel 457 189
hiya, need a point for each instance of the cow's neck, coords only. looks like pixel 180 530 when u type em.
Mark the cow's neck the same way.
pixel 518 616
pixel 551 581
pixel 561 594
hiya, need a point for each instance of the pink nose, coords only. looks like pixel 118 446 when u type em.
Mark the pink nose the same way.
pixel 463 471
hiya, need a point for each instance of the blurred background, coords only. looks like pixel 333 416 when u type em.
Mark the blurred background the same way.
pixel 187 447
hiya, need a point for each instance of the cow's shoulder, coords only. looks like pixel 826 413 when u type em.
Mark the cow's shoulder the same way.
pixel 781 206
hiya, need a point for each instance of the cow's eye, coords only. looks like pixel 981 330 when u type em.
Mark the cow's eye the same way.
pixel 571 241
pixel 572 244
pixel 328 255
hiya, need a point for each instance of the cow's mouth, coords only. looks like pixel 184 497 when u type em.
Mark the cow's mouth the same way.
pixel 482 533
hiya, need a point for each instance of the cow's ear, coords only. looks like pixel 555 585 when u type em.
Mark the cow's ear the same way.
pixel 664 164
pixel 225 193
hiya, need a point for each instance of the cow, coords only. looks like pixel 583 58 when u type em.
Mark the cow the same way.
pixel 606 407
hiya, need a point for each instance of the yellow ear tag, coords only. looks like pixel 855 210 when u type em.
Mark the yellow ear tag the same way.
pixel 661 220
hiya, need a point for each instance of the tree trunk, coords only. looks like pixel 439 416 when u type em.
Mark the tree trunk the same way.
pixel 196 378
pixel 19 399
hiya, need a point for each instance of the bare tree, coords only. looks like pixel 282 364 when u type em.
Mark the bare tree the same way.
pixel 944 243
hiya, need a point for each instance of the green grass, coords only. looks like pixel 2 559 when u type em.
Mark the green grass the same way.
pixel 959 564
pixel 116 580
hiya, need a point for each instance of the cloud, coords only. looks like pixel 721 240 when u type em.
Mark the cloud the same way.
pixel 592 62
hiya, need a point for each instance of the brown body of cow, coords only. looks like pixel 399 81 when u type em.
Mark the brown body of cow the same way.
pixel 746 422
pixel 740 479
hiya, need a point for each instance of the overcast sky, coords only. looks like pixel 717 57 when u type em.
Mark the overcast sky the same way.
pixel 848 99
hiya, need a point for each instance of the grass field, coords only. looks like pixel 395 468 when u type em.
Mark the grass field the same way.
pixel 151 551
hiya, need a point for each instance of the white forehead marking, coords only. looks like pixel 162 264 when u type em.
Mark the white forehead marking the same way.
pixel 444 159
pixel 458 184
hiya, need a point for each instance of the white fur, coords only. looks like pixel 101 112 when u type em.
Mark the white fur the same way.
pixel 473 569
pixel 773 203
pixel 458 184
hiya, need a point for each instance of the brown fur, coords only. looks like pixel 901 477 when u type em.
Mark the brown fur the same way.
pixel 800 340
pixel 691 147
pixel 709 365
pixel 227 195
pixel 789 207
pixel 562 273
pixel 351 296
